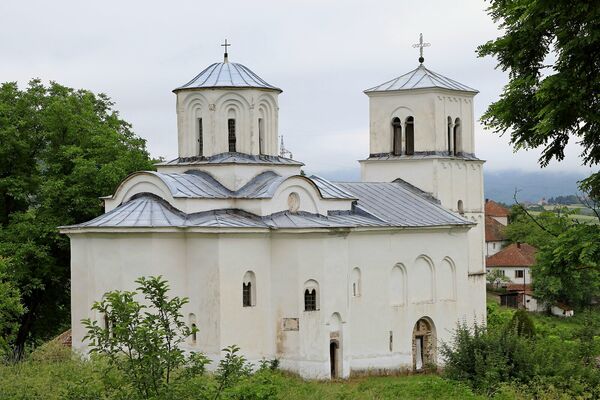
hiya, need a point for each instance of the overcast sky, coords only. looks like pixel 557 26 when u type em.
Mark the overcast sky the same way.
pixel 323 54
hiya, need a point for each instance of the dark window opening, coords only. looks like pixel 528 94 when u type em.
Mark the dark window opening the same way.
pixel 310 300
pixel 449 135
pixel 261 136
pixel 194 333
pixel 200 138
pixel 410 136
pixel 247 294
pixel 519 273
pixel 457 138
pixel 397 139
pixel 231 131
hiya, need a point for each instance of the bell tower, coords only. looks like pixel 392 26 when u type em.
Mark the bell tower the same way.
pixel 422 131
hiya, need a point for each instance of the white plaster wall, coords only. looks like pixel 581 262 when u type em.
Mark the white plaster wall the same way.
pixel 215 106
pixel 493 247
pixel 209 269
pixel 430 109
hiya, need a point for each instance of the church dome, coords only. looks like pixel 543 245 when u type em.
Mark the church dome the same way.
pixel 227 75
pixel 420 78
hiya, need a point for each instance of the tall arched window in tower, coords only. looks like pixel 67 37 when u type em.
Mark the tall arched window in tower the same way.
pixel 410 136
pixel 457 137
pixel 397 136
pixel 231 131
pixel 261 136
pixel 200 138
pixel 449 136
pixel 249 289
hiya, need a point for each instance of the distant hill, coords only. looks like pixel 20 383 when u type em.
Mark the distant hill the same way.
pixel 501 185
pixel 532 186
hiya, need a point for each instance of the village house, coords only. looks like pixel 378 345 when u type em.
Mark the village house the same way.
pixel 496 219
pixel 331 278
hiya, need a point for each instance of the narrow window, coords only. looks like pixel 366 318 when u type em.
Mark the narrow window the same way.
pixel 194 333
pixel 397 138
pixel 200 138
pixel 261 136
pixel 519 273
pixel 356 283
pixel 391 340
pixel 249 289
pixel 449 136
pixel 457 137
pixel 354 289
pixel 231 130
pixel 310 300
pixel 247 294
pixel 410 136
pixel 460 207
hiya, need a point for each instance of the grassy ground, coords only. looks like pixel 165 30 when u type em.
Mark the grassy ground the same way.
pixel 403 387
pixel 579 217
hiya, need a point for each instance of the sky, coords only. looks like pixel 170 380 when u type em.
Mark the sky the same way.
pixel 323 54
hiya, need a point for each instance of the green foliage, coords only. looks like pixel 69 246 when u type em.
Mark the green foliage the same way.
pixel 550 50
pixel 567 266
pixel 11 310
pixel 143 341
pixel 495 277
pixel 522 324
pixel 60 149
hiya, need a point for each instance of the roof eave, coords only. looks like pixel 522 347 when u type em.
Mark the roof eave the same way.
pixel 194 88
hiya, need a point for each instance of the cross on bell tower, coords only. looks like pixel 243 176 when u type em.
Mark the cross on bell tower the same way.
pixel 420 46
pixel 226 45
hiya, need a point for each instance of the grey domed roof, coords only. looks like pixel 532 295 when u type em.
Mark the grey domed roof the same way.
pixel 227 75
pixel 420 78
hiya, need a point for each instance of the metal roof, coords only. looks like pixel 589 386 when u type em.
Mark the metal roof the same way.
pixel 227 75
pixel 420 78
pixel 393 204
pixel 231 158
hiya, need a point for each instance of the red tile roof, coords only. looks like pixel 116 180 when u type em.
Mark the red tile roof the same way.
pixel 515 255
pixel 494 209
pixel 494 230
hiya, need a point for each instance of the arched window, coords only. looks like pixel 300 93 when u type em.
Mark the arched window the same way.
pixel 231 131
pixel 449 136
pixel 261 136
pixel 397 136
pixel 311 295
pixel 460 207
pixel 457 137
pixel 410 136
pixel 249 289
pixel 200 138
pixel 356 282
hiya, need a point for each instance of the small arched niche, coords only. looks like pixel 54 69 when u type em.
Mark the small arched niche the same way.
pixel 249 289
pixel 398 285
pixel 396 136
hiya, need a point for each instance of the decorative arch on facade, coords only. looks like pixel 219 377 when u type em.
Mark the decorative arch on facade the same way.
pixel 446 279
pixel 249 289
pixel 267 109
pixel 457 137
pixel 311 295
pixel 410 135
pixel 398 287
pixel 195 108
pixel 142 182
pixel 421 279
pixel 356 282
pixel 424 344
pixel 232 118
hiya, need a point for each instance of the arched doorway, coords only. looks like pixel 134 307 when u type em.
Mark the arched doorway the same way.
pixel 334 358
pixel 424 344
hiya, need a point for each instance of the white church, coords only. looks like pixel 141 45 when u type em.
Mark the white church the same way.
pixel 331 278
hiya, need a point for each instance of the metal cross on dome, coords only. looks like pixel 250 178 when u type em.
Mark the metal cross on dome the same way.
pixel 420 45
pixel 226 45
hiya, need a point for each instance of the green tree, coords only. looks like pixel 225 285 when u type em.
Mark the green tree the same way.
pixel 142 341
pixel 60 149
pixel 11 310
pixel 551 50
